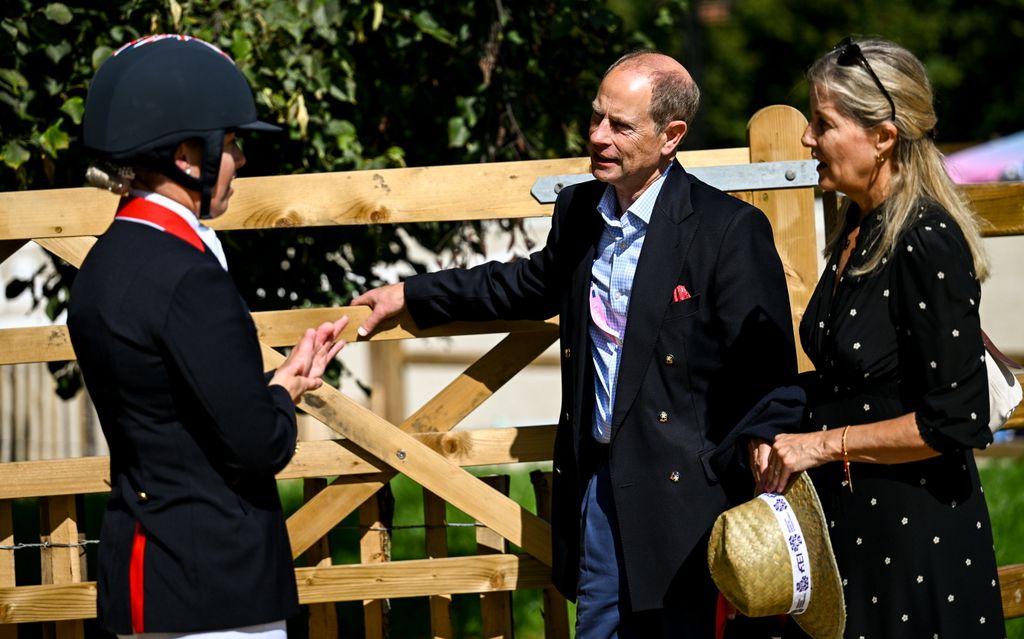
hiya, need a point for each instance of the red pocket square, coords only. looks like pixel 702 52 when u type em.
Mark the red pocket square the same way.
pixel 680 293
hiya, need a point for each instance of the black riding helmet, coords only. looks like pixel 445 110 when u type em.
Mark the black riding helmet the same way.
pixel 156 92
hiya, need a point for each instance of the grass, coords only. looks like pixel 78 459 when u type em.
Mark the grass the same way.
pixel 1003 480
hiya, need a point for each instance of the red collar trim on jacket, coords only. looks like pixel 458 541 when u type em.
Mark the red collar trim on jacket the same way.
pixel 142 210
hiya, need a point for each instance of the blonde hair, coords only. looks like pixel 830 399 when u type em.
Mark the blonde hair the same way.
pixel 918 171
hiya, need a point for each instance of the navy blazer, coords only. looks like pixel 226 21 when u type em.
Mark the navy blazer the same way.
pixel 703 362
pixel 171 359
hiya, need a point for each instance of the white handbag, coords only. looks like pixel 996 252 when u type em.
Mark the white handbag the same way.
pixel 1004 391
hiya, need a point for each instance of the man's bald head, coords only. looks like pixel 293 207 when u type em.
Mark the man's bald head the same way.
pixel 674 94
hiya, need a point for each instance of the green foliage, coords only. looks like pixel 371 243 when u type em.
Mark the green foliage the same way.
pixel 356 85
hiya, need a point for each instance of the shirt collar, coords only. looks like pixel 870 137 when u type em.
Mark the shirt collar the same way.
pixel 642 208
pixel 205 233
pixel 175 207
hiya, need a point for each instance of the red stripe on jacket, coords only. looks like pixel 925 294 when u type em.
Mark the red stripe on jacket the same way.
pixel 135 578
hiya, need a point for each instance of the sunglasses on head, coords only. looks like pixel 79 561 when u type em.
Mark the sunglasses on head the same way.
pixel 851 55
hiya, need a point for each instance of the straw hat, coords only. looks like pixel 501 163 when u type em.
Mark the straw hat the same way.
pixel 758 555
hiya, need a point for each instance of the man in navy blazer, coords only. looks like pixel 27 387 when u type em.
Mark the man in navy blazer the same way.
pixel 675 320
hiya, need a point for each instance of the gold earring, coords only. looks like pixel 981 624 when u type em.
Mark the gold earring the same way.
pixel 879 159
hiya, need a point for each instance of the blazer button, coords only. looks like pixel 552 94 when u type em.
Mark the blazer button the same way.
pixel 568 417
pixel 670 359
pixel 674 477
pixel 567 353
pixel 663 417
pixel 143 497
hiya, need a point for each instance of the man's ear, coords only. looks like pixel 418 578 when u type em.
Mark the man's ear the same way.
pixel 675 133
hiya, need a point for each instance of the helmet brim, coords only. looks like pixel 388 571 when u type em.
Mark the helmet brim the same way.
pixel 259 125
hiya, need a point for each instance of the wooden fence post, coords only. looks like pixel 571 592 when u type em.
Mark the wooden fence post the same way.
pixel 436 523
pixel 495 607
pixel 61 564
pixel 774 134
pixel 7 580
pixel 556 613
pixel 375 520
pixel 323 618
pixel 387 399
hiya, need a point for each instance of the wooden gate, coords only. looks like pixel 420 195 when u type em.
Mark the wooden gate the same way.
pixel 341 476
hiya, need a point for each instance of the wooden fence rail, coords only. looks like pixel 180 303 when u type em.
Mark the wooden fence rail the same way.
pixel 342 476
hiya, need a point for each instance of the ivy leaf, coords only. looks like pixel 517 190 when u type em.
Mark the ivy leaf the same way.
pixel 54 138
pixel 100 55
pixel 241 45
pixel 74 107
pixel 378 15
pixel 57 12
pixel 458 132
pixel 14 79
pixel 57 51
pixel 14 155
pixel 426 23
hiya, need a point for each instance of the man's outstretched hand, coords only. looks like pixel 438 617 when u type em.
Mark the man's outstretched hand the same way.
pixel 384 302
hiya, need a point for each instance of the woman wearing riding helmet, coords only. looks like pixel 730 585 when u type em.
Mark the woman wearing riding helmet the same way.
pixel 193 540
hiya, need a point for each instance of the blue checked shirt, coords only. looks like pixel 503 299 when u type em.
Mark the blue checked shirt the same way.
pixel 611 284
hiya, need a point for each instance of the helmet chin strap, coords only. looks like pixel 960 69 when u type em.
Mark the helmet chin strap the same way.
pixel 213 146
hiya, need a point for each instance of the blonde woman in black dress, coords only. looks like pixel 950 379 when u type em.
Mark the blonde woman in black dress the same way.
pixel 899 397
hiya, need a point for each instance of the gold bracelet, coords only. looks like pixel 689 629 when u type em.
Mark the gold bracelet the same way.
pixel 848 481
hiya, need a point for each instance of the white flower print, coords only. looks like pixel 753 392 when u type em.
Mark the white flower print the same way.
pixel 860 541
pixel 922 305
pixel 856 346
pixel 956 333
pixel 885 293
pixel 941 275
pixel 888 560
pixel 873 501
pixel 935 540
pixel 920 579
pixel 904 521
pixel 905 617
pixel 910 249
pixel 853 312
pixel 950 598
pixel 867 407
pixel 933 364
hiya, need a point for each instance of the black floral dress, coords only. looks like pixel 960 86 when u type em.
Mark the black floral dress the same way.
pixel 913 541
